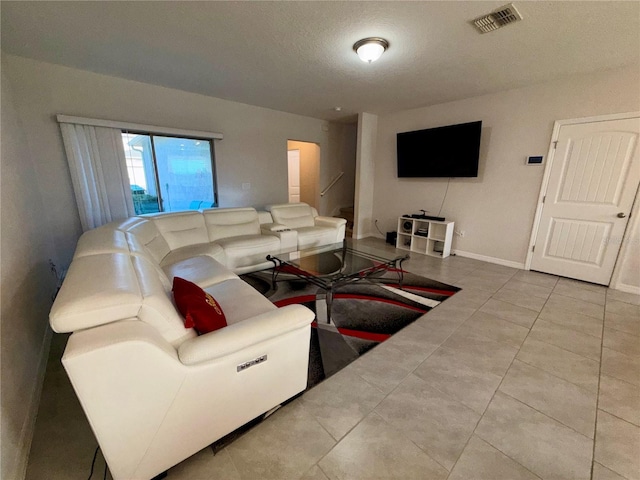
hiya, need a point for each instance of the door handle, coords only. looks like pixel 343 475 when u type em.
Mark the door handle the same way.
pixel 621 215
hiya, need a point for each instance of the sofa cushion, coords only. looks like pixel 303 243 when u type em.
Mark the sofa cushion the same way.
pixel 293 215
pixel 231 222
pixel 238 300
pixel 202 270
pixel 212 250
pixel 247 250
pixel 148 235
pixel 181 229
pixel 199 309
pixel 315 236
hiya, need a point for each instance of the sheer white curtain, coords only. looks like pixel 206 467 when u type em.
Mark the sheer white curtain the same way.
pixel 98 173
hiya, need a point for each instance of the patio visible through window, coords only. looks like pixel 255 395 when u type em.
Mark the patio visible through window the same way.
pixel 168 174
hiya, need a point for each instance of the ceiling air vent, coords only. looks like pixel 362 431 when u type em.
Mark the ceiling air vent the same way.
pixel 498 18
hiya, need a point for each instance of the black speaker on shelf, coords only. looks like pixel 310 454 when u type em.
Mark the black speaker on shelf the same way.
pixel 407 226
pixel 391 238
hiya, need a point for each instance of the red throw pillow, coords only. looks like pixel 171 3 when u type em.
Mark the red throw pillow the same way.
pixel 199 309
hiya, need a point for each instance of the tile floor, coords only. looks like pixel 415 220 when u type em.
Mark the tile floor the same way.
pixel 521 375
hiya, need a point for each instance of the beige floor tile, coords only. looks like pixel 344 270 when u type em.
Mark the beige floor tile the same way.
pixel 205 465
pixel 341 401
pixel 482 282
pixel 435 422
pixel 495 273
pixel 285 445
pixel 502 269
pixel 621 366
pixel 576 306
pixel 539 443
pixel 621 342
pixel 469 297
pixel 492 327
pixel 528 288
pixel 618 445
pixel 624 323
pixel 521 299
pixel 386 366
pixel 631 298
pixel 536 278
pixel 571 405
pixel 452 314
pixel 510 312
pixel 620 398
pixel 377 450
pixel 439 327
pixel 480 351
pixel 603 473
pixel 577 321
pixel 574 368
pixel 567 338
pixel 623 308
pixel 469 384
pixel 480 461
pixel 580 292
pixel 314 473
pixel 419 338
pixel 592 287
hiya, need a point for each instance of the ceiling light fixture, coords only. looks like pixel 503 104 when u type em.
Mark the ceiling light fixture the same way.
pixel 370 49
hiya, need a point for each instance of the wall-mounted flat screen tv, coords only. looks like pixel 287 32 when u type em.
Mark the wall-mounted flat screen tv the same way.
pixel 450 151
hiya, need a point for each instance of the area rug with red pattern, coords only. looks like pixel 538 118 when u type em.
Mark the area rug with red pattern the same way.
pixel 363 313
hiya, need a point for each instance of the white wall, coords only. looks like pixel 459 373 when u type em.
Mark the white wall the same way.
pixel 253 149
pixel 496 209
pixel 365 174
pixel 27 287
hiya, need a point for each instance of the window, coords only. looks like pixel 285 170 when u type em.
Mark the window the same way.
pixel 169 173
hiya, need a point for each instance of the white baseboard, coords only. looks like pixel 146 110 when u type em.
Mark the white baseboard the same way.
pixel 485 258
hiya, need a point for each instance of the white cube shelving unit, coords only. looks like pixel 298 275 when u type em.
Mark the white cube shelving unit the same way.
pixel 428 237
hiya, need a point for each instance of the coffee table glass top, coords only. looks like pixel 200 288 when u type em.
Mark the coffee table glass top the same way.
pixel 331 263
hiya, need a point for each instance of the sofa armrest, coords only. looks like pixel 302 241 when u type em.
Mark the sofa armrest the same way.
pixel 274 227
pixel 244 334
pixel 288 238
pixel 329 221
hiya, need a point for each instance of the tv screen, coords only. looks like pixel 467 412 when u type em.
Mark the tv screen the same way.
pixel 450 151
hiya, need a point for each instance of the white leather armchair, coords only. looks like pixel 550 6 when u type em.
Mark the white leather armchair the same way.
pixel 151 406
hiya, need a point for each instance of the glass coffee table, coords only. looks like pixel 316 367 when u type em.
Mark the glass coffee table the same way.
pixel 332 266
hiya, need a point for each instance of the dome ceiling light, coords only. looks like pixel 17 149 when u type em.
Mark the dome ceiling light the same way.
pixel 370 49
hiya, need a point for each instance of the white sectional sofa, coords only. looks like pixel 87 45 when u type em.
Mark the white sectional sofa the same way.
pixel 153 391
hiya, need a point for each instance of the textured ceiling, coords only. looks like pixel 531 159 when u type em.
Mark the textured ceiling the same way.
pixel 297 56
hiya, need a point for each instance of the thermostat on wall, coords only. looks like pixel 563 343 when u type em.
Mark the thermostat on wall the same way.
pixel 537 160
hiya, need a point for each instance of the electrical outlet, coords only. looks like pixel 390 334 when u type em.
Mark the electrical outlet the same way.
pixel 246 186
pixel 459 233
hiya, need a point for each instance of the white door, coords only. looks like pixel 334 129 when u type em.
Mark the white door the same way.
pixel 293 156
pixel 594 178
